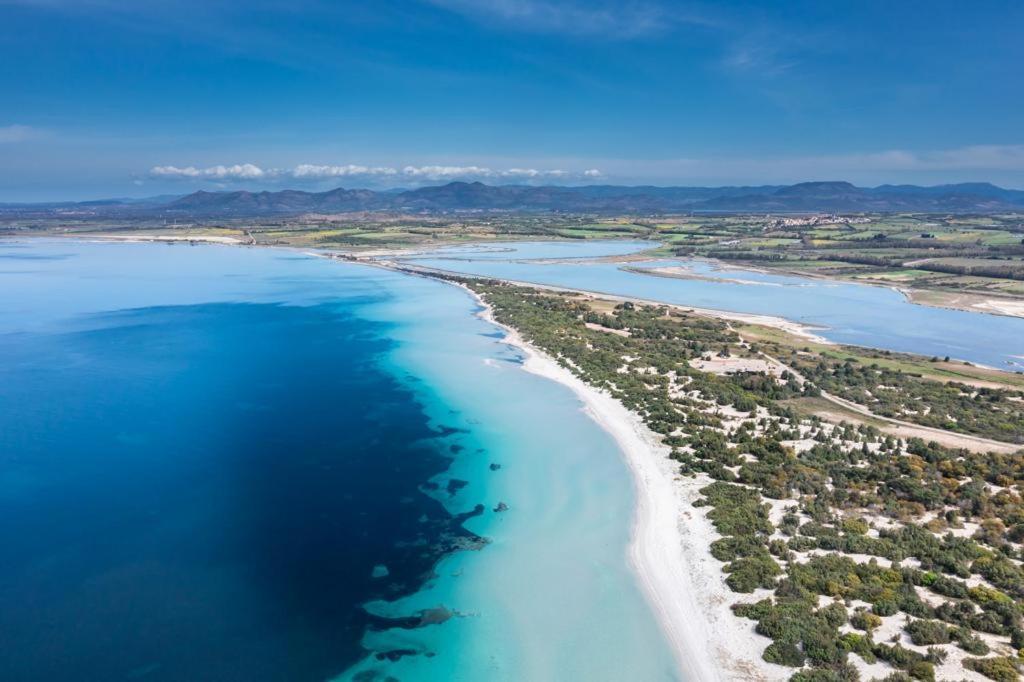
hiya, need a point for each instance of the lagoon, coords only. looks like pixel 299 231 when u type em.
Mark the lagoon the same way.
pixel 844 313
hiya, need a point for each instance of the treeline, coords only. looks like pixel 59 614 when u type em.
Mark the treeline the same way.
pixel 988 269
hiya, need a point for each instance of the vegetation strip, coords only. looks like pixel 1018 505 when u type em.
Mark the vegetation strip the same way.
pixel 859 547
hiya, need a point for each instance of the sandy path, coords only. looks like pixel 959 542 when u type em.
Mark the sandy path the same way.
pixel 905 429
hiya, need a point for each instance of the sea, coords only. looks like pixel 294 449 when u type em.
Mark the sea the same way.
pixel 227 463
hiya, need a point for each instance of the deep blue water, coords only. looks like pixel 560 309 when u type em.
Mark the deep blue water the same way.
pixel 202 492
pixel 208 453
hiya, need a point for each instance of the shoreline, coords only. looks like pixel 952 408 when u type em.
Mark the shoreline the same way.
pixel 796 328
pixel 988 305
pixel 799 329
pixel 669 548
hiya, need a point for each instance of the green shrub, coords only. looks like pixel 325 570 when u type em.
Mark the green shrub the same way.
pixel 855 526
pixel 748 573
pixel 926 632
pixel 784 653
pixel 865 620
pixel 970 642
pixel 999 668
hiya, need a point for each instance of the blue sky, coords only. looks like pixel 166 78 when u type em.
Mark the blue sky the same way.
pixel 135 98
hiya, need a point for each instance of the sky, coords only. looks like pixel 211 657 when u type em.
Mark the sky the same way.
pixel 119 98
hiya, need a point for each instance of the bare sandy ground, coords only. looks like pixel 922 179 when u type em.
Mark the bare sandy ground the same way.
pixel 732 365
pixel 1003 307
pixel 210 239
pixel 684 272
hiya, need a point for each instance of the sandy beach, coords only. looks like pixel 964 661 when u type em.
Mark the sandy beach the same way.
pixel 670 544
pixel 200 238
pixel 1002 307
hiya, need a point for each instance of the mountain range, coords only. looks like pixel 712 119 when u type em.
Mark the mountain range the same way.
pixel 476 196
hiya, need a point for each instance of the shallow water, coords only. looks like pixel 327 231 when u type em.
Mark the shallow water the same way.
pixel 846 313
pixel 211 458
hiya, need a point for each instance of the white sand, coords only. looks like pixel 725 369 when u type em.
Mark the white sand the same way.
pixel 732 365
pixel 670 546
pixel 209 239
pixel 1002 307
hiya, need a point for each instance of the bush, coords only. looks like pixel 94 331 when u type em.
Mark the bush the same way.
pixel 925 632
pixel 999 668
pixel 916 665
pixel 922 670
pixel 748 573
pixel 970 642
pixel 858 644
pixel 855 526
pixel 784 653
pixel 865 620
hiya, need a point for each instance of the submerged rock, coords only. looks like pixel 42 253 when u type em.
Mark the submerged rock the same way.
pixel 434 616
pixel 455 485
pixel 395 654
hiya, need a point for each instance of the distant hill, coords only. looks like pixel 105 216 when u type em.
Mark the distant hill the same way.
pixel 843 196
pixel 285 201
pixel 469 196
pixel 831 196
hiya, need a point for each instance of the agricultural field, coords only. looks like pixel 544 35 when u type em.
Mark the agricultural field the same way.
pixel 357 231
pixel 971 262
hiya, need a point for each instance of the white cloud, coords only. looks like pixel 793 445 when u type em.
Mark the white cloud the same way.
pixel 17 133
pixel 524 172
pixel 313 172
pixel 443 172
pixel 306 172
pixel 245 171
pixel 1003 164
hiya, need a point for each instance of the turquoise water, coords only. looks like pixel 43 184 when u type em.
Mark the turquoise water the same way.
pixel 226 463
pixel 846 313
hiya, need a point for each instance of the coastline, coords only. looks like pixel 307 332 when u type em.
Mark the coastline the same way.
pixel 670 539
pixel 985 305
pixel 786 325
pixel 798 329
